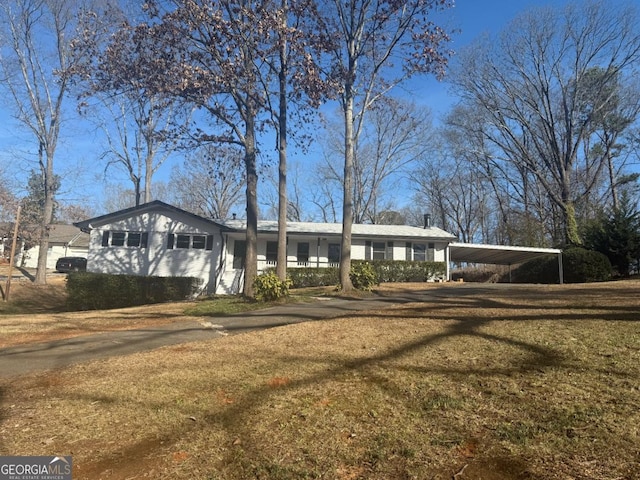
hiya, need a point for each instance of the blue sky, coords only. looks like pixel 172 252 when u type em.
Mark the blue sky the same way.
pixel 77 155
pixel 473 18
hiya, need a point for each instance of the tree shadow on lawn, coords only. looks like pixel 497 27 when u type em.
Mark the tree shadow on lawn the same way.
pixel 235 418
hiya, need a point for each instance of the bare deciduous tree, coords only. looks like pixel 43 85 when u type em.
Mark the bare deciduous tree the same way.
pixel 142 128
pixel 377 44
pixel 538 109
pixel 210 182
pixel 394 136
pixel 36 36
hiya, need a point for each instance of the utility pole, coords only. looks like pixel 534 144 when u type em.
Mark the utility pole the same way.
pixel 13 253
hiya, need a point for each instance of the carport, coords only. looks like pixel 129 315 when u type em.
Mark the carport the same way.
pixel 500 255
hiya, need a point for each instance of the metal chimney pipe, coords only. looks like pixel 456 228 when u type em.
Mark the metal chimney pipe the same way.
pixel 427 220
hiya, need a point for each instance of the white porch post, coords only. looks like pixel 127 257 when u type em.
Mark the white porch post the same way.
pixel 447 262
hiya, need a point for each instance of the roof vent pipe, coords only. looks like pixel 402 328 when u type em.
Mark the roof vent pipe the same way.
pixel 233 216
pixel 427 220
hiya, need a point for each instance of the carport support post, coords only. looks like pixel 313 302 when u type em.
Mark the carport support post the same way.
pixel 560 269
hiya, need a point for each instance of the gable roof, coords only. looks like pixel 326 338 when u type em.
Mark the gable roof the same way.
pixel 358 230
pixel 68 235
pixel 154 206
pixel 268 226
pixel 60 233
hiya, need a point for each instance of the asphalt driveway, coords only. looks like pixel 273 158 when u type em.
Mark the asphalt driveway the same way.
pixel 61 353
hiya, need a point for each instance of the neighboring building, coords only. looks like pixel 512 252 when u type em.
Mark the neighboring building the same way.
pixel 162 240
pixel 64 241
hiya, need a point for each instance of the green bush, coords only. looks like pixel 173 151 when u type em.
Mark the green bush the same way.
pixel 390 271
pixel 579 266
pixel 363 276
pixel 97 291
pixel 385 271
pixel 313 277
pixel 269 287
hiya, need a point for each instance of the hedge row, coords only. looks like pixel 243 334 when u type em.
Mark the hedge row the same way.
pixel 398 271
pixel 97 291
pixel 386 271
pixel 313 277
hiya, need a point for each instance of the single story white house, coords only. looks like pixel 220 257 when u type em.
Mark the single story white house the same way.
pixel 162 240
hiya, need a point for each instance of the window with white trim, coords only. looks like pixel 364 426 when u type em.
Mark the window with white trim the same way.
pixel 378 250
pixel 431 252
pixel 111 238
pixel 420 252
pixel 189 241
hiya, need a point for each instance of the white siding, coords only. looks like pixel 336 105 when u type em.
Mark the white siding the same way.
pixel 156 259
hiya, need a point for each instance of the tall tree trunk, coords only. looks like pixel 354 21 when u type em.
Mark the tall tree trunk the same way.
pixel 281 264
pixel 615 201
pixel 46 165
pixel 347 206
pixel 251 255
pixel 148 176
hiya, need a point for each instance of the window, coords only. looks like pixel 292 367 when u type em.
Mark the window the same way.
pixel 117 239
pixel 303 253
pixel 431 252
pixel 239 250
pixel 379 249
pixel 199 242
pixel 185 241
pixel 419 252
pixel 182 241
pixel 272 253
pixel 120 239
pixel 334 254
pixel 133 239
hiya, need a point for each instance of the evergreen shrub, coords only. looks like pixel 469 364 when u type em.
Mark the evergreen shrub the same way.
pixel 97 291
pixel 268 287
pixel 385 271
pixel 398 271
pixel 363 276
pixel 579 266
pixel 313 277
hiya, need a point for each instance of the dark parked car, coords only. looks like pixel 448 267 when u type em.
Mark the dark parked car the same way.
pixel 71 264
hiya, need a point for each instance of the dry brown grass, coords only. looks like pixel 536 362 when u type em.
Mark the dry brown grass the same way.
pixel 530 382
pixel 36 313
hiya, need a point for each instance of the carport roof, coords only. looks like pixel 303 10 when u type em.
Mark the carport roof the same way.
pixel 496 254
